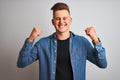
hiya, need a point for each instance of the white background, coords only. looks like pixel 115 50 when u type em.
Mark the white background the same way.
pixel 18 17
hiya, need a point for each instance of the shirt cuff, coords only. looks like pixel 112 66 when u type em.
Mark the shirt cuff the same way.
pixel 28 44
pixel 98 46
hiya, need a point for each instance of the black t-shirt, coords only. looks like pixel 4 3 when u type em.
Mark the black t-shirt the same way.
pixel 63 67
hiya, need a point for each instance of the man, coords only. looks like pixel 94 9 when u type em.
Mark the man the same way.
pixel 62 55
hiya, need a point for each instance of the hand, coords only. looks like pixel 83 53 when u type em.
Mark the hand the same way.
pixel 34 34
pixel 90 31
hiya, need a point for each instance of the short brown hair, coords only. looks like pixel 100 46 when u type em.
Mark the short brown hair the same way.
pixel 60 6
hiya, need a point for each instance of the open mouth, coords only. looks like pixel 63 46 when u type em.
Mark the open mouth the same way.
pixel 62 25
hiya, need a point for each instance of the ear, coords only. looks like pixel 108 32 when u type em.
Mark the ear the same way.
pixel 52 21
pixel 70 20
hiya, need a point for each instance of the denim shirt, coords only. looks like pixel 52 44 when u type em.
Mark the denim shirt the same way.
pixel 45 50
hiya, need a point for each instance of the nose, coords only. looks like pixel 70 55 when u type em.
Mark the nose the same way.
pixel 61 21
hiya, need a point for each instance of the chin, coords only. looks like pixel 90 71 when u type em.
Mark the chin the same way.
pixel 62 31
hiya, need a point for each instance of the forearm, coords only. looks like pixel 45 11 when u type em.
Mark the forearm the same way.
pixel 100 55
pixel 23 59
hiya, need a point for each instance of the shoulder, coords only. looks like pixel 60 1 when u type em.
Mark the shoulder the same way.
pixel 45 40
pixel 78 37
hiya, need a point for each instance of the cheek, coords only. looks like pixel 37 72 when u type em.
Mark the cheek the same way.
pixel 56 23
pixel 68 22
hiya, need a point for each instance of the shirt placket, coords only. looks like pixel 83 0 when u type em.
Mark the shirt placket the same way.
pixel 54 59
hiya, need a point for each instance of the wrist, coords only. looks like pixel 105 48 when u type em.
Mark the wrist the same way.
pixel 95 41
pixel 31 38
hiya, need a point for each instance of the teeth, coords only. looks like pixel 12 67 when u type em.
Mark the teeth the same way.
pixel 62 26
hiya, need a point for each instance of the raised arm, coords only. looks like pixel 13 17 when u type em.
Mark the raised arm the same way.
pixel 28 53
pixel 96 55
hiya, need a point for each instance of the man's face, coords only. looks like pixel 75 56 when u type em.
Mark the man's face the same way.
pixel 61 21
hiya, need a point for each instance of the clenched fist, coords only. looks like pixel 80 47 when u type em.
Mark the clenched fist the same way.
pixel 90 31
pixel 34 34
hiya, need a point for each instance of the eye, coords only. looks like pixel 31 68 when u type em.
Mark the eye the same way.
pixel 57 18
pixel 64 18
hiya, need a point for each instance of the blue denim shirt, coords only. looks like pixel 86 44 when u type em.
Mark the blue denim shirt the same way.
pixel 45 50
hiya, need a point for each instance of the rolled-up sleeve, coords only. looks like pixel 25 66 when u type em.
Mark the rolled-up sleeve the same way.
pixel 27 54
pixel 101 55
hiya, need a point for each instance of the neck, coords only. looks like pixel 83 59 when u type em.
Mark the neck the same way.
pixel 63 36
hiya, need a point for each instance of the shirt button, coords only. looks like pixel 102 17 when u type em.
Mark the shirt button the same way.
pixel 54 61
pixel 55 51
pixel 55 41
pixel 53 72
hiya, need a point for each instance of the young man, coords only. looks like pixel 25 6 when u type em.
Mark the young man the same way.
pixel 62 55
